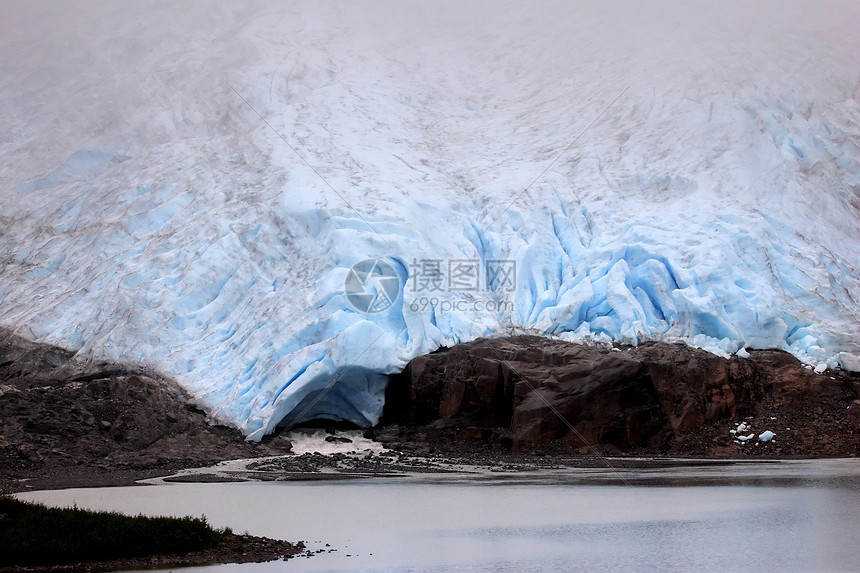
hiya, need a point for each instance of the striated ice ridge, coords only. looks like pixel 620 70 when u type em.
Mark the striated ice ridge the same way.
pixel 148 215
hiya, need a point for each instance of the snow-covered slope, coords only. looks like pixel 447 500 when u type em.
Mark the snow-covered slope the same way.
pixel 646 170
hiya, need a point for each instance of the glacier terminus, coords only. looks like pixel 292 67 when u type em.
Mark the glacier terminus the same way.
pixel 281 203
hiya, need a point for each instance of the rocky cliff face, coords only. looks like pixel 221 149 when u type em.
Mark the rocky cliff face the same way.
pixel 526 392
pixel 60 414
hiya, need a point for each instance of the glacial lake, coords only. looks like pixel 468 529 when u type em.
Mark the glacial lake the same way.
pixel 783 516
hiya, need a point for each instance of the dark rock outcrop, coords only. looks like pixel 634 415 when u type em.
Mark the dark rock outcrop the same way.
pixel 656 398
pixel 60 415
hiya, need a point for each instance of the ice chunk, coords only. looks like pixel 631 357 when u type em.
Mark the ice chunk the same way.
pixel 766 436
pixel 746 438
pixel 849 361
pixel 820 368
pixel 742 353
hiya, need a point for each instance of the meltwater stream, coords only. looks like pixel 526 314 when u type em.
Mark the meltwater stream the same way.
pixel 797 516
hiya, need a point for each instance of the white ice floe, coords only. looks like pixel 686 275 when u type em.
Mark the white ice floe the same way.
pixel 766 436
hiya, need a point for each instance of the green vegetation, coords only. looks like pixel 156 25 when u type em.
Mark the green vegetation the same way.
pixel 32 534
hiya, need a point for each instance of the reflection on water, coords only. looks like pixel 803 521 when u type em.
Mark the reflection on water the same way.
pixel 763 517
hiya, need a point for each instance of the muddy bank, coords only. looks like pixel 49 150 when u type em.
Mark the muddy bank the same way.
pixel 236 549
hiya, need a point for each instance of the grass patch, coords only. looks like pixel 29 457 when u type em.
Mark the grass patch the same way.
pixel 32 534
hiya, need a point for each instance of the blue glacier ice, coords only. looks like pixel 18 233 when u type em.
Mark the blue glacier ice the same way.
pixel 189 189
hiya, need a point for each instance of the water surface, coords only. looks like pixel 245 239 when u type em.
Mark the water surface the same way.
pixel 797 516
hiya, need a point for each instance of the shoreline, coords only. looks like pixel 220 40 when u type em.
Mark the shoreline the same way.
pixel 239 549
pixel 357 465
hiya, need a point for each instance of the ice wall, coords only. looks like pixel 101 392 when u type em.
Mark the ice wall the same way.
pixel 188 187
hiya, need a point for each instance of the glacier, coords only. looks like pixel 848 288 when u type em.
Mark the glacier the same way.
pixel 189 187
